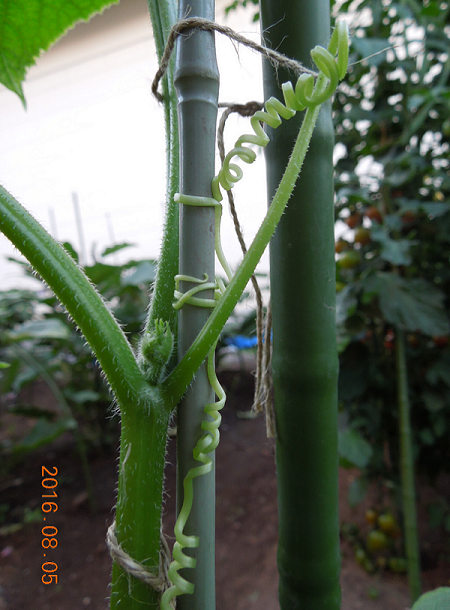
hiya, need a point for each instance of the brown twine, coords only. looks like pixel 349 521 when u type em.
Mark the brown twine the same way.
pixel 161 582
pixel 198 23
pixel 262 400
pixel 267 376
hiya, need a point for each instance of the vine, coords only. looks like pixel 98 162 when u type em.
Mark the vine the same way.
pixel 308 93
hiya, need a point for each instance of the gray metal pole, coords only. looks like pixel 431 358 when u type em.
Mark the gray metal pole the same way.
pixel 197 85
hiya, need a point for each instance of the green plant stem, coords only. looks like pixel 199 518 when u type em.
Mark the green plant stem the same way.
pixel 53 387
pixel 407 471
pixel 304 361
pixel 144 431
pixel 139 499
pixel 82 301
pixel 178 381
pixel 163 16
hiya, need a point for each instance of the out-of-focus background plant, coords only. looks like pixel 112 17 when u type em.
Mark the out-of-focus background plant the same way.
pixel 393 203
pixel 38 341
pixel 393 254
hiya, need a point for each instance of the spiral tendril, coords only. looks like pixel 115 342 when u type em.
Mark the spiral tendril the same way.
pixel 205 445
pixel 307 93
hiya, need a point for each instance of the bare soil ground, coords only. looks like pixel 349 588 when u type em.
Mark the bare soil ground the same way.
pixel 246 527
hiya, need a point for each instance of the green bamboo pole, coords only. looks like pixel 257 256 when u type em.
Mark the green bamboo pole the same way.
pixel 305 364
pixel 407 471
pixel 197 84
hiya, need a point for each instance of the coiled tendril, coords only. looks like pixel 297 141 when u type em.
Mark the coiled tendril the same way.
pixel 205 445
pixel 307 93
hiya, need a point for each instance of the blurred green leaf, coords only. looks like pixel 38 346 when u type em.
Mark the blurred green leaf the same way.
pixel 370 49
pixel 31 411
pixel 412 304
pixel 83 396
pixel 434 402
pixel 144 273
pixel 439 599
pixel 50 328
pixel 71 250
pixel 394 251
pixel 346 304
pixel 44 432
pixel 439 371
pixel 354 451
pixel 116 248
pixel 357 491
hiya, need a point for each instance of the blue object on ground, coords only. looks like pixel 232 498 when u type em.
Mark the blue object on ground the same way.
pixel 241 342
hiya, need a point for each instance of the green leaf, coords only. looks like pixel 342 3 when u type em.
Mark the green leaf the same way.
pixel 399 177
pixel 354 372
pixel 354 451
pixel 411 304
pixel 31 411
pixel 427 437
pixel 83 396
pixel 28 27
pixel 357 491
pixel 44 432
pixel 370 49
pixel 439 599
pixel 4 365
pixel 431 10
pixel 50 328
pixel 434 402
pixel 394 251
pixel 144 273
pixel 346 304
pixel 71 250
pixel 439 371
pixel 116 248
pixel 432 208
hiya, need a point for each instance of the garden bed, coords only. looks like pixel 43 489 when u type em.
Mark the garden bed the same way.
pixel 246 526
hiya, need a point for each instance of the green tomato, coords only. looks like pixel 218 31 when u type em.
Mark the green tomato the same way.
pixel 387 523
pixel 376 541
pixel 349 260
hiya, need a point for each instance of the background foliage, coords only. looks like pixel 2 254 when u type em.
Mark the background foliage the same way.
pixel 39 341
pixel 393 201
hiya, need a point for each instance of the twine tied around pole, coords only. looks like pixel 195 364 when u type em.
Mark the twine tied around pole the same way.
pixel 198 23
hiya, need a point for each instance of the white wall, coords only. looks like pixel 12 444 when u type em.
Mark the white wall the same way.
pixel 92 127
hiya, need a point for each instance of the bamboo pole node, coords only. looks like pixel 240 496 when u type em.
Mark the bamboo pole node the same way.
pixel 198 23
pixel 132 567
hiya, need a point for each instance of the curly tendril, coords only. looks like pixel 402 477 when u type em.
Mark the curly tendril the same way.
pixel 305 95
pixel 205 445
pixel 308 93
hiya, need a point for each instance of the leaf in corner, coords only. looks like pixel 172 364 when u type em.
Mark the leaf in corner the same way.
pixel 439 599
pixel 28 27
